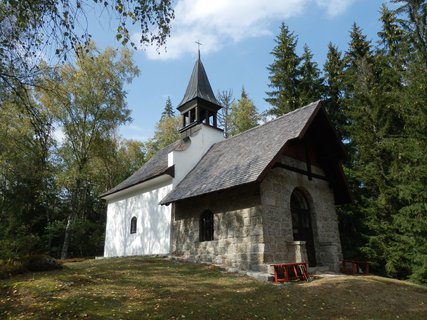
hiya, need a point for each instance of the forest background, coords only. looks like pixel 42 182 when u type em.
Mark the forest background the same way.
pixel 375 94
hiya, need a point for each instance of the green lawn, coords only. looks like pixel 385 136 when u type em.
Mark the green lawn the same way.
pixel 155 288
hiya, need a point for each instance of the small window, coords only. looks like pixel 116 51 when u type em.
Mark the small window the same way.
pixel 206 230
pixel 133 225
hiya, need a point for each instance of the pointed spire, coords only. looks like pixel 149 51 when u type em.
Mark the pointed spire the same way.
pixel 199 86
pixel 198 47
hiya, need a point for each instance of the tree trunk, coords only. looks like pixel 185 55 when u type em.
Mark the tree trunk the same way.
pixel 67 237
pixel 72 217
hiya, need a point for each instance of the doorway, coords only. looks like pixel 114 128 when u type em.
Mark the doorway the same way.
pixel 302 224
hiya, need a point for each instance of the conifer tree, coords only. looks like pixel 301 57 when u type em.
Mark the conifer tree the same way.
pixel 311 83
pixel 284 74
pixel 415 24
pixel 226 100
pixel 407 251
pixel 243 114
pixel 168 110
pixel 334 70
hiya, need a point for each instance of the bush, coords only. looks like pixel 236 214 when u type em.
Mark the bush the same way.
pixel 11 267
pixel 42 263
pixel 34 263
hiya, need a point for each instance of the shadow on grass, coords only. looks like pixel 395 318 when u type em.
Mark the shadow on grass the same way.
pixel 138 288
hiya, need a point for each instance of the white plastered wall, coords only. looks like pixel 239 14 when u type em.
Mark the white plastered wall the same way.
pixel 153 221
pixel 200 142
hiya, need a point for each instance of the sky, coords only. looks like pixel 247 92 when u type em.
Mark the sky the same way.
pixel 237 37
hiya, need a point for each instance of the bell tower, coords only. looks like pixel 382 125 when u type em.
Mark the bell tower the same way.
pixel 199 104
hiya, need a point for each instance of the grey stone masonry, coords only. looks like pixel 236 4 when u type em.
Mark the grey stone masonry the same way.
pixel 276 190
pixel 253 223
pixel 238 231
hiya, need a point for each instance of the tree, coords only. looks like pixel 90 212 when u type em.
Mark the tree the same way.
pixel 284 74
pixel 226 99
pixel 29 28
pixel 243 114
pixel 26 180
pixel 385 94
pixel 334 71
pixel 167 132
pixel 88 101
pixel 311 84
pixel 168 111
pixel 415 23
pixel 407 251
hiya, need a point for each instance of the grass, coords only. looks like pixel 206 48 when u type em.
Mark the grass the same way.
pixel 155 288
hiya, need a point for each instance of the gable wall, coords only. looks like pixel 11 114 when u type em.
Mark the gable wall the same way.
pixel 276 190
pixel 153 223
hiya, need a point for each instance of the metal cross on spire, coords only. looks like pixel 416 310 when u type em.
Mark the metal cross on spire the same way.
pixel 198 46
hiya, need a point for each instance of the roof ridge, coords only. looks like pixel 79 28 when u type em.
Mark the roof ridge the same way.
pixel 274 120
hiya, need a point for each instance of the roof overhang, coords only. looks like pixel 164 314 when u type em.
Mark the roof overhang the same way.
pixel 145 185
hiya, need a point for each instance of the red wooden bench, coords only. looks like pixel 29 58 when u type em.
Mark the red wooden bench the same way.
pixel 355 266
pixel 285 272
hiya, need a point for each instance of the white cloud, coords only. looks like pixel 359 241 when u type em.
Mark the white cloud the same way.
pixel 218 22
pixel 334 7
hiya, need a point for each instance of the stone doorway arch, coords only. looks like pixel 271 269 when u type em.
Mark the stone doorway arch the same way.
pixel 302 226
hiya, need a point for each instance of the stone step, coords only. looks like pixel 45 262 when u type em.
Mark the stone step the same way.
pixel 319 269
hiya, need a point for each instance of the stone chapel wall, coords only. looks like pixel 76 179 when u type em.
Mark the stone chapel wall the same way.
pixel 238 232
pixel 253 224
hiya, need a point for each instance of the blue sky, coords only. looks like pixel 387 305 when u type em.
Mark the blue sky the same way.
pixel 237 37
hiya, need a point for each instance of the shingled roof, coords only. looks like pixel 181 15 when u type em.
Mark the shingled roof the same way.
pixel 154 167
pixel 199 86
pixel 243 158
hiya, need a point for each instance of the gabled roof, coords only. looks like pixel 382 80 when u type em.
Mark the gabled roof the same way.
pixel 199 86
pixel 153 168
pixel 244 158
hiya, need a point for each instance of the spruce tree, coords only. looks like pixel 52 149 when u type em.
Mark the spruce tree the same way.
pixel 415 24
pixel 333 91
pixel 226 100
pixel 407 251
pixel 243 114
pixel 168 111
pixel 284 74
pixel 311 83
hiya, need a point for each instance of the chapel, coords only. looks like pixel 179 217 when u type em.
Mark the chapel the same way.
pixel 264 196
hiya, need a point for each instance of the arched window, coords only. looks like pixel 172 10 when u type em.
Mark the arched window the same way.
pixel 300 215
pixel 206 230
pixel 133 225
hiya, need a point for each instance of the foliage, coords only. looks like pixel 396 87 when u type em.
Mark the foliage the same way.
pixel 168 111
pixel 42 263
pixel 32 263
pixel 88 101
pixel 375 94
pixel 295 81
pixel 26 181
pixel 244 115
pixel 333 88
pixel 226 100
pixel 311 84
pixel 166 132
pixel 284 74
pixel 385 123
pixel 29 27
